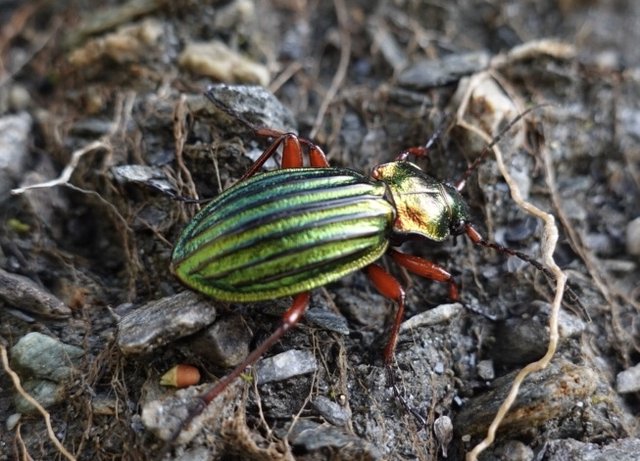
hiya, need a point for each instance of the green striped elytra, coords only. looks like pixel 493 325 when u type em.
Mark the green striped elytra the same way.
pixel 288 231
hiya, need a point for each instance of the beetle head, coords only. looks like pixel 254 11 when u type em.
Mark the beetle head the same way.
pixel 424 205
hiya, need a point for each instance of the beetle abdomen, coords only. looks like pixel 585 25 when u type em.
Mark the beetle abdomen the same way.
pixel 284 232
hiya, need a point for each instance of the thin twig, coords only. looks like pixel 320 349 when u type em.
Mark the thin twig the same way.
pixel 341 72
pixel 549 240
pixel 68 170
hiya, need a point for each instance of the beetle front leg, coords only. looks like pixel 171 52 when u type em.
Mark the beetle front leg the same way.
pixel 390 288
pixel 428 270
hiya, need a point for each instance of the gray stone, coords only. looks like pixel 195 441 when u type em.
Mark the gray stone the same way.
pixel 47 393
pixel 633 237
pixel 628 380
pixel 225 343
pixel 162 321
pixel 42 356
pixel 333 412
pixel 285 365
pixel 24 294
pixel 15 133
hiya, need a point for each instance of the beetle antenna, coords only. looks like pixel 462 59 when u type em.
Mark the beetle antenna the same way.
pixel 209 93
pixel 479 240
pixel 460 183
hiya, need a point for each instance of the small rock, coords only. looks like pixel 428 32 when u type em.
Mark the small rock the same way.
pixel 520 340
pixel 430 73
pixel 13 420
pixel 24 294
pixel 575 450
pixel 331 411
pixel 600 244
pixel 42 356
pixel 317 440
pixel 163 321
pixel 546 395
pixel 486 370
pixel 165 417
pixel 143 174
pixel 47 393
pixel 327 320
pixel 253 103
pixel 514 450
pixel 434 316
pixel 15 131
pixel 216 60
pixel 133 42
pixel 19 97
pixel 285 365
pixel 633 237
pixel 225 343
pixel 628 380
pixel 443 430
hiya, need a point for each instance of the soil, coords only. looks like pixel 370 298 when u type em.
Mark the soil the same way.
pixel 110 101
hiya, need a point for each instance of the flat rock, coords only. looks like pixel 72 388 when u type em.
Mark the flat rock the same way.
pixel 162 321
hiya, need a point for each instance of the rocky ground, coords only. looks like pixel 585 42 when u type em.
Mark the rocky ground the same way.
pixel 105 131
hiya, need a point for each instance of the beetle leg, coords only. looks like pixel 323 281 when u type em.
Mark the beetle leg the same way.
pixel 291 152
pixel 289 319
pixel 427 269
pixel 390 288
pixel 419 151
pixel 317 158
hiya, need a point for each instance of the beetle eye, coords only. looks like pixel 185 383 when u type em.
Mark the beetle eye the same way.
pixel 459 227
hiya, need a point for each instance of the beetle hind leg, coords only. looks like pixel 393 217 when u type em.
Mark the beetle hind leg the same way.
pixel 289 319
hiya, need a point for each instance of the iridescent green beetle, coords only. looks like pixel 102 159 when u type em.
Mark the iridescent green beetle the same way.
pixel 289 231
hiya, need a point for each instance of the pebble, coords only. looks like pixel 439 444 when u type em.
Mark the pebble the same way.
pixel 333 412
pixel 41 356
pixel 24 294
pixel 285 365
pixel 216 60
pixel 15 137
pixel 225 343
pixel 633 237
pixel 486 370
pixel 163 321
pixel 550 394
pixel 628 381
pixel 429 73
pixel 575 450
pixel 316 440
pixel 47 393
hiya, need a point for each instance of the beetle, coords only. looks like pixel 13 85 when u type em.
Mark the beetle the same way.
pixel 285 232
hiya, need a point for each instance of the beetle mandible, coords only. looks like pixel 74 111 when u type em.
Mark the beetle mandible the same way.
pixel 288 231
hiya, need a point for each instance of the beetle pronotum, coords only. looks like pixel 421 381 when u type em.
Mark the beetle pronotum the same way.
pixel 288 231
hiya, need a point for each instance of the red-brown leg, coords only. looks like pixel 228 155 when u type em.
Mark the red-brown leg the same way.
pixel 390 288
pixel 420 151
pixel 291 152
pixel 317 158
pixel 427 269
pixel 289 319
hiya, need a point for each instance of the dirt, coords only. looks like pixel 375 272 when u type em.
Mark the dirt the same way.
pixel 110 100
